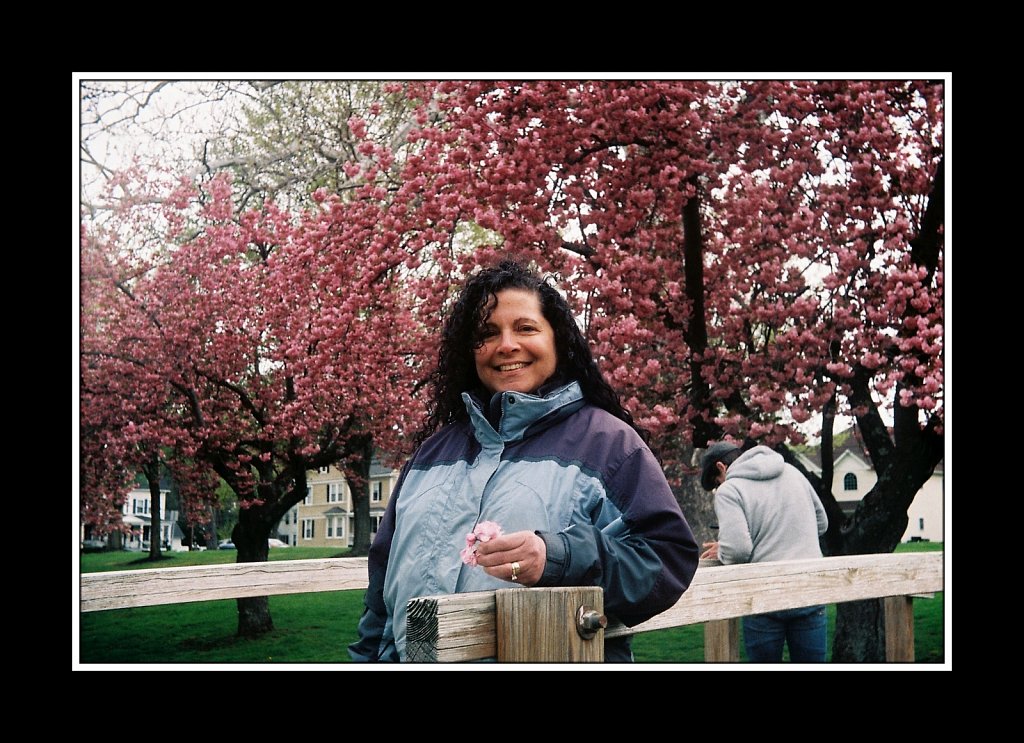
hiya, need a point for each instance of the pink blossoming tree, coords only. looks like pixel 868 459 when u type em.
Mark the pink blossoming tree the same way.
pixel 744 255
pixel 255 346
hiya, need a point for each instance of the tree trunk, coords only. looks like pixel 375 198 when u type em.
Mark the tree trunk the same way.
pixel 250 537
pixel 832 541
pixel 358 473
pixel 152 472
pixel 860 632
pixel 254 616
pixel 904 460
pixel 697 504
pixel 210 532
pixel 696 333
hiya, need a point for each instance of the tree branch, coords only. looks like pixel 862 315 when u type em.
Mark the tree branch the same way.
pixel 924 249
pixel 243 397
pixel 578 156
pixel 696 332
pixel 584 250
pixel 876 437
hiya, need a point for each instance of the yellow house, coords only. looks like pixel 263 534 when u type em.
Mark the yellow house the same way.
pixel 325 518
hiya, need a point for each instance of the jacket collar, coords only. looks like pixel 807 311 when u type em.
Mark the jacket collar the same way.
pixel 519 415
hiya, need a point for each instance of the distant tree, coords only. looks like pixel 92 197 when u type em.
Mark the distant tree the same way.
pixel 160 124
pixel 117 441
pixel 296 136
pixel 280 140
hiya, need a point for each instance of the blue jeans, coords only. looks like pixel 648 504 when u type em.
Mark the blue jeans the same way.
pixel 803 629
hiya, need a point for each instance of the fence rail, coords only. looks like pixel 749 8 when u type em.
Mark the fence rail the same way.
pixel 464 627
pixel 124 589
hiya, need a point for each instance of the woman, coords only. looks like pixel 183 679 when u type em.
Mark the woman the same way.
pixel 525 432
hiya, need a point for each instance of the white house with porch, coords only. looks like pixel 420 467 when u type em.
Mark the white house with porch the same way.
pixel 138 515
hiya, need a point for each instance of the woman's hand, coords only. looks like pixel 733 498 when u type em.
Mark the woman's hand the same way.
pixel 711 553
pixel 522 550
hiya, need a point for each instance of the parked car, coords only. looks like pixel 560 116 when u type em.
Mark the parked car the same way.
pixel 227 544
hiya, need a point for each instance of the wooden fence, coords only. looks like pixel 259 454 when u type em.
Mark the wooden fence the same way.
pixel 540 624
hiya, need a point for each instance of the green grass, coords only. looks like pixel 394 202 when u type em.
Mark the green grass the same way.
pixel 317 627
pixel 919 547
pixel 308 628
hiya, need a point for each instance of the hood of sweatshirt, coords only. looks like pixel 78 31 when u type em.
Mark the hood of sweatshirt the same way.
pixel 760 463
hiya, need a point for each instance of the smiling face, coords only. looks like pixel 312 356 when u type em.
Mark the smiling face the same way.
pixel 518 344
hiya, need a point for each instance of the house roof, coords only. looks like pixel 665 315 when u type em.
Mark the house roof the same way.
pixel 846 441
pixel 335 510
pixel 845 444
pixel 377 469
pixel 845 457
pixel 142 482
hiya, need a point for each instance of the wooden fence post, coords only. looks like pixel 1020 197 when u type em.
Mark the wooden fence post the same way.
pixel 899 629
pixel 722 641
pixel 538 625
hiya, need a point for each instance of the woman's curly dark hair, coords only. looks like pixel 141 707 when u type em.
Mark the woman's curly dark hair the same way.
pixel 456 366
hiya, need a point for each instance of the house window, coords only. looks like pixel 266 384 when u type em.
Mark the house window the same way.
pixel 376 490
pixel 850 481
pixel 335 492
pixel 286 518
pixel 336 527
pixel 307 528
pixel 375 524
pixel 323 470
pixel 308 500
pixel 920 524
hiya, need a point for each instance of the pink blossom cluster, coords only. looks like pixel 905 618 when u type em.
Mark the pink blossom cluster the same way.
pixel 484 532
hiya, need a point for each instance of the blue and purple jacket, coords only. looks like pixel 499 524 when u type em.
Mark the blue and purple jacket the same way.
pixel 579 477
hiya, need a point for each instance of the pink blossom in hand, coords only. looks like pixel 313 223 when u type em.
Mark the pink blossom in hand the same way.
pixel 485 531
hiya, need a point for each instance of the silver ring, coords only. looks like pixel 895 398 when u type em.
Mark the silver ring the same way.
pixel 515 571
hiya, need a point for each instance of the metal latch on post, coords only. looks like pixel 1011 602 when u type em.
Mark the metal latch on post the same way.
pixel 589 621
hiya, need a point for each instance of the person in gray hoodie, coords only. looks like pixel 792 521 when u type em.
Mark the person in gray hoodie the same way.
pixel 767 511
